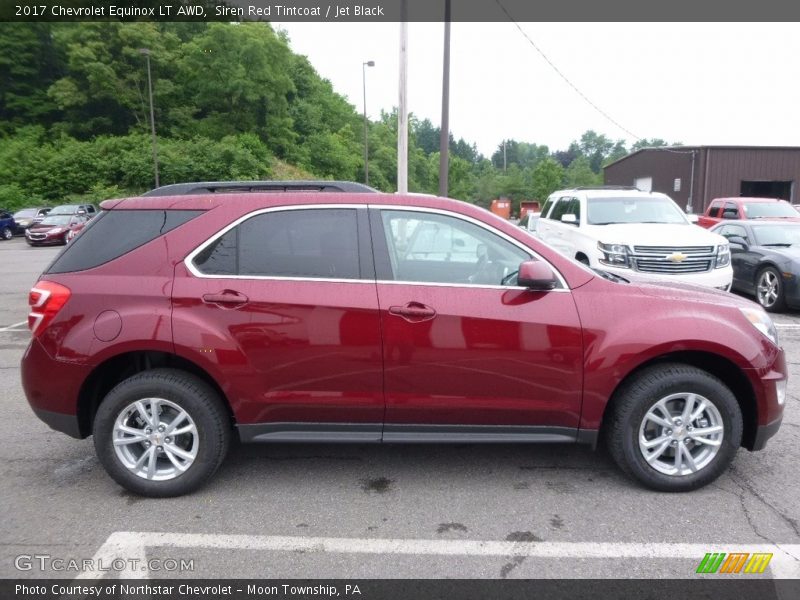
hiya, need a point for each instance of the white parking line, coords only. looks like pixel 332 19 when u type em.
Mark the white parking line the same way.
pixel 14 326
pixel 788 325
pixel 124 545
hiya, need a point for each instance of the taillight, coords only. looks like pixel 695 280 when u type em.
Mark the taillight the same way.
pixel 46 299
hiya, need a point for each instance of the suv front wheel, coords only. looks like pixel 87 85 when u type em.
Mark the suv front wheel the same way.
pixel 674 427
pixel 161 433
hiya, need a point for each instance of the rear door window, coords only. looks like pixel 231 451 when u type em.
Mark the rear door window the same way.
pixel 306 243
pixel 547 205
pixel 730 211
pixel 561 208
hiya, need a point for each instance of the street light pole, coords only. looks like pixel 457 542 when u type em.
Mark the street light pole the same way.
pixel 364 65
pixel 146 52
pixel 444 133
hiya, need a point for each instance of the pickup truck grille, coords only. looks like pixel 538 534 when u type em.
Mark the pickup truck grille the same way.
pixel 673 259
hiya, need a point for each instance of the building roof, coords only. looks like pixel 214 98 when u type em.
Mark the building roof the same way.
pixel 690 149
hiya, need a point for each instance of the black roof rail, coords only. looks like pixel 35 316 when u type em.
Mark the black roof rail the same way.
pixel 607 187
pixel 236 187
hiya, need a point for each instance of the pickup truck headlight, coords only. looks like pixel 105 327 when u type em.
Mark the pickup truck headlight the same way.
pixel 614 255
pixel 723 256
pixel 761 321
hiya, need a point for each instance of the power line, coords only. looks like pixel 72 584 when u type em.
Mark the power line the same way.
pixel 564 77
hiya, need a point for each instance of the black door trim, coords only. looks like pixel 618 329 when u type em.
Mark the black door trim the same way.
pixel 412 433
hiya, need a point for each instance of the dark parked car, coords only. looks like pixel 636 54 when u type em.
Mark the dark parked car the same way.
pixel 89 210
pixel 173 323
pixel 765 256
pixel 54 229
pixel 27 217
pixel 7 225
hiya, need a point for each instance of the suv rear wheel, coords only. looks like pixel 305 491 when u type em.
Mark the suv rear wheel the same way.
pixel 674 427
pixel 161 433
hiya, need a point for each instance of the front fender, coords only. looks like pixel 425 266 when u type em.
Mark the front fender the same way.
pixel 623 331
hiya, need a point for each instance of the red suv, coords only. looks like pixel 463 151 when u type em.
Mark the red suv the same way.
pixel 173 323
pixel 721 209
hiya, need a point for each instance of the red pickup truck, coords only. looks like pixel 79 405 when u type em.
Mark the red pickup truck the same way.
pixel 747 208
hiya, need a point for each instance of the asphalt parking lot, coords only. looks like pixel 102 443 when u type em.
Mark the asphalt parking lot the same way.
pixel 372 511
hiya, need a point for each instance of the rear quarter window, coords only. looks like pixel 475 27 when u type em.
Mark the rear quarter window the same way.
pixel 112 234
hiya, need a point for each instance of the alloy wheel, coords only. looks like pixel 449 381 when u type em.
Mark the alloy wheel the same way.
pixel 155 439
pixel 768 289
pixel 681 434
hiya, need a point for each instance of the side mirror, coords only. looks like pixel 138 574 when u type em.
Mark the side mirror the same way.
pixel 693 219
pixel 739 241
pixel 536 275
pixel 571 219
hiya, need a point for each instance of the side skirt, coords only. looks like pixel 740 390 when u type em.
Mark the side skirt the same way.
pixel 412 434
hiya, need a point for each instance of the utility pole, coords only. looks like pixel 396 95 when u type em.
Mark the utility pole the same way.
pixel 364 65
pixel 504 156
pixel 444 133
pixel 146 52
pixel 690 203
pixel 402 114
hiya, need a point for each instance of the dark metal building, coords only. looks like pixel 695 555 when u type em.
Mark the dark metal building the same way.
pixel 694 175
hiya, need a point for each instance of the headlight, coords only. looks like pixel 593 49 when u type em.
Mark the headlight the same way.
pixel 723 256
pixel 614 255
pixel 762 322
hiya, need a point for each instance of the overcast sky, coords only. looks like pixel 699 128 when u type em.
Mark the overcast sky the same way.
pixel 709 83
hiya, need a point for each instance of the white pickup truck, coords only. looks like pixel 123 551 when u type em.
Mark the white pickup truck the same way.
pixel 627 231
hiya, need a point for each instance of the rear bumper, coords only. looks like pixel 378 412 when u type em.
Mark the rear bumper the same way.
pixel 52 388
pixel 60 422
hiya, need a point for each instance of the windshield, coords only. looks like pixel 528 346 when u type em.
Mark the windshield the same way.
pixel 755 210
pixel 767 235
pixel 65 209
pixel 56 220
pixel 655 209
pixel 25 212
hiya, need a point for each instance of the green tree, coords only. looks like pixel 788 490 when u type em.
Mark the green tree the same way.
pixel 28 66
pixel 595 147
pixel 238 78
pixel 580 172
pixel 547 177
pixel 652 143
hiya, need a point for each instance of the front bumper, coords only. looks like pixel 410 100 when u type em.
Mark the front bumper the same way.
pixel 770 403
pixel 720 279
pixel 765 432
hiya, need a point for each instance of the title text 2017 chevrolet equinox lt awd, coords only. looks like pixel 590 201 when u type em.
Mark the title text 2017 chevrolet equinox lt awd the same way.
pixel 175 322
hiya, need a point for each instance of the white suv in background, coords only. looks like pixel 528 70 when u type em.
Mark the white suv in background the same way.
pixel 627 231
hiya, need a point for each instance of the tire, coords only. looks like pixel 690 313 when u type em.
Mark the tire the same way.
pixel 671 384
pixel 769 290
pixel 199 452
pixel 6 233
